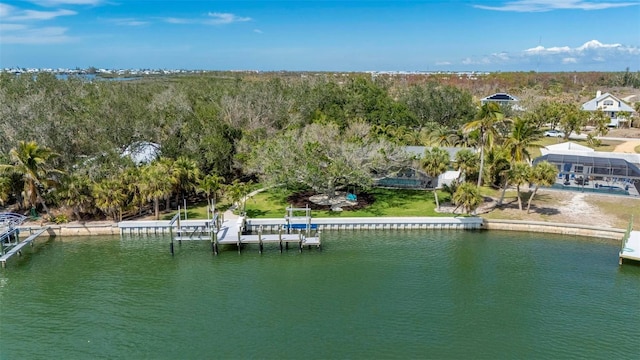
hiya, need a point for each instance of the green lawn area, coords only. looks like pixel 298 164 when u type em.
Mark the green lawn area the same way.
pixel 195 211
pixel 388 202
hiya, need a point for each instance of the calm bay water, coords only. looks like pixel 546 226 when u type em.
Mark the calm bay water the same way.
pixel 376 294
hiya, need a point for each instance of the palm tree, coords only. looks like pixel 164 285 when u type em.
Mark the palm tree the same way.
pixel 489 115
pixel 519 174
pixel 544 173
pixel 466 162
pixel 31 162
pixel 434 163
pixel 211 185
pixel 186 175
pixel 468 197
pixel 238 192
pixel 5 188
pixel 155 184
pixel 76 193
pixel 109 197
pixel 522 137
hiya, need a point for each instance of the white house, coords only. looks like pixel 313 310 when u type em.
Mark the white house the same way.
pixel 610 105
pixel 564 147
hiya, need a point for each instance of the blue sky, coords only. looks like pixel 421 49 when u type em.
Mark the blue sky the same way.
pixel 492 35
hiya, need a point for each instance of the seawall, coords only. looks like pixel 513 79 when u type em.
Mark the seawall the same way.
pixel 338 224
pixel 554 228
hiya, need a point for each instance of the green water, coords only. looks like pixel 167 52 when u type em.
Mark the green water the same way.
pixel 369 295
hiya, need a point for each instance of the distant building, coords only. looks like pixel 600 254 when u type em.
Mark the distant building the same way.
pixel 503 99
pixel 610 105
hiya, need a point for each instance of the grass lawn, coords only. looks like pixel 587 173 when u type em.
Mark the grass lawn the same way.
pixel 195 211
pixel 388 202
pixel 606 145
pixel 637 149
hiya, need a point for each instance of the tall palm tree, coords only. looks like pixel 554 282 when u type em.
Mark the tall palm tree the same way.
pixel 32 162
pixel 468 197
pixel 522 137
pixel 544 173
pixel 519 174
pixel 186 175
pixel 211 185
pixel 238 192
pixel 488 117
pixel 434 163
pixel 155 184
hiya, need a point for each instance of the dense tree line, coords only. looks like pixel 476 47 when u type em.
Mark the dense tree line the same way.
pixel 231 126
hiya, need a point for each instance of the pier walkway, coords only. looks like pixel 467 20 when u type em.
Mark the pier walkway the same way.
pixel 232 231
pixel 16 248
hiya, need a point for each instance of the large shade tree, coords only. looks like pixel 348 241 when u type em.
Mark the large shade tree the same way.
pixel 326 158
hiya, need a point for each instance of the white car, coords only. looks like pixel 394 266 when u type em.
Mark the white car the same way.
pixel 554 133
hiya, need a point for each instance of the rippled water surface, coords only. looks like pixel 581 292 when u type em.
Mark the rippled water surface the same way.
pixel 377 294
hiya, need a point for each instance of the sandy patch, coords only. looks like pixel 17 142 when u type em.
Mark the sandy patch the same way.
pixel 627 147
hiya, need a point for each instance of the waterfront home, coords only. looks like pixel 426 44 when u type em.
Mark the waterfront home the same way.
pixel 610 105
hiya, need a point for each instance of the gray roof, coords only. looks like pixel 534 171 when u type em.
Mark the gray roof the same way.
pixel 500 97
pixel 596 103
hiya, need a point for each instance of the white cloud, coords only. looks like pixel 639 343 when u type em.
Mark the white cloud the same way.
pixel 595 44
pixel 442 63
pixel 213 18
pixel 590 52
pixel 13 14
pixel 550 5
pixel 539 50
pixel 20 34
pixel 172 20
pixel 257 31
pixel 501 56
pixel 128 22
pixel 226 18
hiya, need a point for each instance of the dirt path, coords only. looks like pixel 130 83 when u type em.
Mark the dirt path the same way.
pixel 627 147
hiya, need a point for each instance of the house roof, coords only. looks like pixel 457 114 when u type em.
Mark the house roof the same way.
pixel 596 103
pixel 500 97
pixel 565 146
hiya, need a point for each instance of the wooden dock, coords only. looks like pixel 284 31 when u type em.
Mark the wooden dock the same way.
pixel 17 247
pixel 234 233
pixel 630 247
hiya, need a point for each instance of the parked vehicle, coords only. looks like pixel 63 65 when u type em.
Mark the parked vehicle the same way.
pixel 553 133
